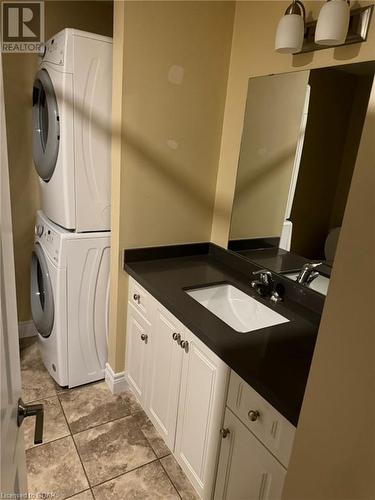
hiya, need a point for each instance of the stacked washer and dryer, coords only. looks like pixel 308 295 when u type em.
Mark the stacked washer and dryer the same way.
pixel 71 151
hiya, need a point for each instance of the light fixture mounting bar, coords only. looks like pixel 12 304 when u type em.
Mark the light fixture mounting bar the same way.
pixel 358 29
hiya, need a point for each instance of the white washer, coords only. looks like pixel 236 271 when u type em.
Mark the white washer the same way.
pixel 72 129
pixel 69 301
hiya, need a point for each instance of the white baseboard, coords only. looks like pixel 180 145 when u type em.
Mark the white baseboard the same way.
pixel 116 381
pixel 26 329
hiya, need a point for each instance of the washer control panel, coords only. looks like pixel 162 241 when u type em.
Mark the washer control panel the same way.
pixel 50 240
pixel 54 50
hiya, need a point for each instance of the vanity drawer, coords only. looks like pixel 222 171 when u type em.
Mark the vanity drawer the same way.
pixel 140 299
pixel 270 427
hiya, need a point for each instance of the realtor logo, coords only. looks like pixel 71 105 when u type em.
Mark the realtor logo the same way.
pixel 22 26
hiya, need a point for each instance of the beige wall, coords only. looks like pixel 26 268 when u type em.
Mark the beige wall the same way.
pixel 118 280
pixel 19 71
pixel 334 453
pixel 274 108
pixel 253 54
pixel 176 57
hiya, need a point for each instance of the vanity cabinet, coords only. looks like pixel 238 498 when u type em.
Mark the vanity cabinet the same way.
pixel 256 446
pixel 165 373
pixel 183 387
pixel 180 383
pixel 138 335
pixel 246 468
pixel 201 406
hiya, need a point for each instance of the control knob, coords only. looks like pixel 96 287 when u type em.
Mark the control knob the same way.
pixel 39 230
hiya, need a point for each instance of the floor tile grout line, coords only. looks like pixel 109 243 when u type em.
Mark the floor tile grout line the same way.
pixel 169 477
pixel 80 459
pixel 150 444
pixel 40 399
pixel 75 446
pixel 103 423
pixel 63 413
pixel 66 418
pixel 92 486
pixel 48 442
pixel 126 472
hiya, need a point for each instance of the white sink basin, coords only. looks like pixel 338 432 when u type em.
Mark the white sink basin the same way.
pixel 319 284
pixel 238 310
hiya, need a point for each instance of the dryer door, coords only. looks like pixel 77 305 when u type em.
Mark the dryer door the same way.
pixel 46 125
pixel 42 305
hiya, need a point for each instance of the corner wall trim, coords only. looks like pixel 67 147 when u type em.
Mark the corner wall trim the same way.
pixel 26 329
pixel 116 381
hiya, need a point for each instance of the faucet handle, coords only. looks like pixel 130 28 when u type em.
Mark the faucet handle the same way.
pixel 311 265
pixel 262 271
pixel 308 273
pixel 265 276
pixel 311 277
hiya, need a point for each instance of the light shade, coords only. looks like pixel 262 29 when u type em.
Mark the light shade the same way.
pixel 333 23
pixel 289 34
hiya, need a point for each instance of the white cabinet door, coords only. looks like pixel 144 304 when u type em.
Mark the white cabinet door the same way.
pixel 201 408
pixel 137 340
pixel 164 374
pixel 247 470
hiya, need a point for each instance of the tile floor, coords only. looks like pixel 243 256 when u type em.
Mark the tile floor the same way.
pixel 96 445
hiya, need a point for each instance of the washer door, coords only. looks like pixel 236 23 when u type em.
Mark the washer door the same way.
pixel 42 305
pixel 46 125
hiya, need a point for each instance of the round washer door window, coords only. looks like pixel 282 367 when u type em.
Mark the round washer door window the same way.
pixel 46 125
pixel 42 305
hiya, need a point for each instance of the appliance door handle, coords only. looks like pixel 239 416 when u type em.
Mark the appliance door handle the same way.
pixel 32 411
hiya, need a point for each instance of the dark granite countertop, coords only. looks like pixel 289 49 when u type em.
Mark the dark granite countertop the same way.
pixel 275 361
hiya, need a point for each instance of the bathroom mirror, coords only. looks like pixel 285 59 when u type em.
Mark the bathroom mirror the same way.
pixel 300 141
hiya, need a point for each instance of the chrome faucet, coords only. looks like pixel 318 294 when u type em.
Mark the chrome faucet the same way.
pixel 265 285
pixel 308 273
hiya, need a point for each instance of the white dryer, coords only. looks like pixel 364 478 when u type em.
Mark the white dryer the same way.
pixel 71 127
pixel 69 301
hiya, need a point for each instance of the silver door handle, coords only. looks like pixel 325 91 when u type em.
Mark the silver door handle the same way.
pixel 253 415
pixel 185 345
pixel 224 432
pixel 32 411
pixel 137 298
pixel 177 338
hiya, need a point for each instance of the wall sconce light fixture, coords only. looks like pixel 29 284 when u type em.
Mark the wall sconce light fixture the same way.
pixel 336 25
pixel 333 23
pixel 290 30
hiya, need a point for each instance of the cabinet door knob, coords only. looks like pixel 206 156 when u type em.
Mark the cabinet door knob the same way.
pixel 253 415
pixel 176 337
pixel 224 432
pixel 137 297
pixel 144 337
pixel 185 345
